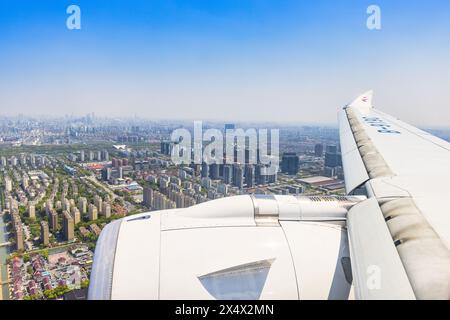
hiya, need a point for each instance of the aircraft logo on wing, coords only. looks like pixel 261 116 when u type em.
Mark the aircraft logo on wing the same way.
pixel 380 124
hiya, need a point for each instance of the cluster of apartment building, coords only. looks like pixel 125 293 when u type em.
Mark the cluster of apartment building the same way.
pixel 36 274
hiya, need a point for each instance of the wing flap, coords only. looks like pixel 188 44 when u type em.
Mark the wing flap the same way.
pixel 378 272
pixel 354 169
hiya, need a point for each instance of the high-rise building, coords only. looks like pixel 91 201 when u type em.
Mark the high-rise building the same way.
pixel 290 163
pixel 73 157
pixel 222 188
pixel 178 198
pixel 332 157
pixel 272 178
pixel 8 184
pixel 66 204
pixel 175 180
pixel 68 226
pixel 161 202
pixel 13 161
pixel 187 185
pixel 260 176
pixel 205 170
pixel 251 156
pixel 106 173
pixel 163 183
pixel 48 207
pixel 25 181
pixel 238 176
pixel 98 202
pixel 13 204
pixel 106 209
pixel 45 233
pixel 152 179
pixel 214 171
pixel 182 174
pixel 318 150
pixel 249 176
pixel 18 232
pixel 331 149
pixel 75 213
pixel 53 218
pixel 329 171
pixel 189 201
pixel 147 197
pixel 206 183
pixel 82 205
pixel 212 194
pixel 23 160
pixel 228 174
pixel 93 213
pixel 31 211
pixel 82 156
pixel 166 147
pixel 105 155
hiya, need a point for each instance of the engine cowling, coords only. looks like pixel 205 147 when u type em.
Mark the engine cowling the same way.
pixel 242 247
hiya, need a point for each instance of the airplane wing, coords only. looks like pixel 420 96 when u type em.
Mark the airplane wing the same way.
pixel 402 232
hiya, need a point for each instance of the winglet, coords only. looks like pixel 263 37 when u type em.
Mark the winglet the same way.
pixel 363 102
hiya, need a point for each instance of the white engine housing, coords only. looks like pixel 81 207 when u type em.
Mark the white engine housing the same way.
pixel 243 247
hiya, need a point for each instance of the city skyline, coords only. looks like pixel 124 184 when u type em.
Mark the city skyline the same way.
pixel 241 61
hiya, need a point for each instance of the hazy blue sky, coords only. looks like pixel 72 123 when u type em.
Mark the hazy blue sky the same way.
pixel 239 60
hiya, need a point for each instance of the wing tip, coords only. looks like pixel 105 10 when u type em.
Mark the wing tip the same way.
pixel 363 102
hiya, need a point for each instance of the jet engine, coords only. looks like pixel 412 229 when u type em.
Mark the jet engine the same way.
pixel 241 247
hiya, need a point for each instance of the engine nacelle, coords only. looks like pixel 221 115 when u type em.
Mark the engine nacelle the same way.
pixel 242 247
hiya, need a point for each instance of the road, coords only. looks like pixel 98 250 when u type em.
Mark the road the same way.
pixel 97 183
